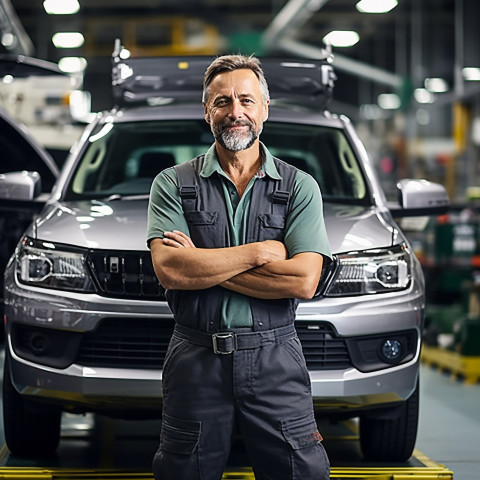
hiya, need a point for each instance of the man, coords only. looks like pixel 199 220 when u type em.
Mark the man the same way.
pixel 236 237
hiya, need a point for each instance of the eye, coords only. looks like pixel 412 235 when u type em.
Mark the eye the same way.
pixel 221 102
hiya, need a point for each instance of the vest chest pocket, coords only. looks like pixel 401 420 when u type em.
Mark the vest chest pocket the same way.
pixel 201 218
pixel 203 228
pixel 272 227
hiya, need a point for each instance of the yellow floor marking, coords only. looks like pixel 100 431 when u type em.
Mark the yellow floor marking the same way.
pixel 430 471
pixel 453 362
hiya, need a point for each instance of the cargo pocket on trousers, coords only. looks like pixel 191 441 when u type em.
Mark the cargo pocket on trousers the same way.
pixel 177 456
pixel 179 436
pixel 308 458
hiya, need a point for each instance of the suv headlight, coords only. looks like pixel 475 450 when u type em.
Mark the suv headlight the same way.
pixel 48 265
pixel 371 271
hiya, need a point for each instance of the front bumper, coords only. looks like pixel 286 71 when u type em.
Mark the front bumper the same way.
pixel 90 388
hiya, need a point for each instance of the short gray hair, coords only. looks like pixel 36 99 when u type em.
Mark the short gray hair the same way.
pixel 229 63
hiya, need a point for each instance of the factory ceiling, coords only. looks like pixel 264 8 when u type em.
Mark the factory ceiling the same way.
pixel 396 51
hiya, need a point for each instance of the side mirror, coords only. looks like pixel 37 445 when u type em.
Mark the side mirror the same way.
pixel 23 186
pixel 420 198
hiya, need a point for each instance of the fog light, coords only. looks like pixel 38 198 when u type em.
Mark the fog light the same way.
pixel 392 350
pixel 39 344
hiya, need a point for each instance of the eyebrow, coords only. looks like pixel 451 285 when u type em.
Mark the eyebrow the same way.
pixel 227 97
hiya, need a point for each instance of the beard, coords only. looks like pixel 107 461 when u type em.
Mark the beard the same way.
pixel 233 140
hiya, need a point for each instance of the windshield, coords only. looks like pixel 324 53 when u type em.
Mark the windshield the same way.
pixel 123 159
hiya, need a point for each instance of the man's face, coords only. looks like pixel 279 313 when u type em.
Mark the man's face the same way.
pixel 235 109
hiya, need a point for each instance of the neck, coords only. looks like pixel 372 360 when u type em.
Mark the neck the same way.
pixel 240 166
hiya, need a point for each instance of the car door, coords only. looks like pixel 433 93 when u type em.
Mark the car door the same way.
pixel 19 152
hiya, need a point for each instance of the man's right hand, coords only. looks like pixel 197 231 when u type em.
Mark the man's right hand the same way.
pixel 273 251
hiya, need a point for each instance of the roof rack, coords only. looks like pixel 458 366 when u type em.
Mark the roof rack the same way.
pixel 161 80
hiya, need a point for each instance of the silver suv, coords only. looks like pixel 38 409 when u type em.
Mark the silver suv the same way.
pixel 86 320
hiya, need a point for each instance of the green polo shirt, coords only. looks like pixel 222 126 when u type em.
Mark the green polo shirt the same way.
pixel 305 228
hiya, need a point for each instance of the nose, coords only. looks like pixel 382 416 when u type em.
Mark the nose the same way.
pixel 236 110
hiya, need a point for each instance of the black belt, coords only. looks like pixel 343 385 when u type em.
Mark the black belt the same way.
pixel 228 342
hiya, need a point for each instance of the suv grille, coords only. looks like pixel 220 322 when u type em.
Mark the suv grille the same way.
pixel 142 343
pixel 321 347
pixel 127 343
pixel 125 275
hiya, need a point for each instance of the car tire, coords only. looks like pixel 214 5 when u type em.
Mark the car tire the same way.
pixel 390 436
pixel 30 430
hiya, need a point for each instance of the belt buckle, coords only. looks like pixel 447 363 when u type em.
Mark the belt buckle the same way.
pixel 223 336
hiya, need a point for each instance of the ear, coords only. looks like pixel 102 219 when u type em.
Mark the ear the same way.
pixel 265 110
pixel 205 113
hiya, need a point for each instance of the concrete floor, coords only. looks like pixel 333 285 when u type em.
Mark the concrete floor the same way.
pixel 448 434
pixel 449 430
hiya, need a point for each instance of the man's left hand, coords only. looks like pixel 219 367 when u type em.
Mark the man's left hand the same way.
pixel 177 239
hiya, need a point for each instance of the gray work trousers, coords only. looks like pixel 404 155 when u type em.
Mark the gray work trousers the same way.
pixel 266 390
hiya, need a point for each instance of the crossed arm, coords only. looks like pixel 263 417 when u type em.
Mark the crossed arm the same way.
pixel 259 269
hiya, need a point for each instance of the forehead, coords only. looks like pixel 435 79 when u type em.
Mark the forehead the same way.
pixel 242 81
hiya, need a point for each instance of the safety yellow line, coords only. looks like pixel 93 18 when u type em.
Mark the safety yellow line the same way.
pixel 467 367
pixel 430 472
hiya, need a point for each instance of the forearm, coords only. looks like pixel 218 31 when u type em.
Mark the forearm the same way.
pixel 294 278
pixel 199 268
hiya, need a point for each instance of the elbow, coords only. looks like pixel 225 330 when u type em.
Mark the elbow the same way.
pixel 307 290
pixel 167 280
pixel 166 284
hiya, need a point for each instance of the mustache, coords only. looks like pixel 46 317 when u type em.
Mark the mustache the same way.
pixel 236 123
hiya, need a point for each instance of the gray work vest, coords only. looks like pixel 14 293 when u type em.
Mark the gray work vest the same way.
pixel 205 210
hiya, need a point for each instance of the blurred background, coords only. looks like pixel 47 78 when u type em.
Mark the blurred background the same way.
pixel 408 70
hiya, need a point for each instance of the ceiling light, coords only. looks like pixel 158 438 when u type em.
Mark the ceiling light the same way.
pixel 422 117
pixel 68 39
pixel 124 54
pixel 9 40
pixel 376 6
pixel 422 95
pixel 72 64
pixel 436 85
pixel 389 101
pixel 370 111
pixel 61 7
pixel 341 38
pixel 471 73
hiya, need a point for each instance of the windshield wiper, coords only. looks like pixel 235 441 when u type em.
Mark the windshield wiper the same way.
pixel 117 196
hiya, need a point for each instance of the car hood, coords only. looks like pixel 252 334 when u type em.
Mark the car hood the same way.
pixel 121 225
pixel 112 225
pixel 353 227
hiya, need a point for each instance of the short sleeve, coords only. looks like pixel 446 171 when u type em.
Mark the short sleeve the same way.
pixel 165 212
pixel 305 231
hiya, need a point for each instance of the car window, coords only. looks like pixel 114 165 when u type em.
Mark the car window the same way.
pixel 322 152
pixel 124 158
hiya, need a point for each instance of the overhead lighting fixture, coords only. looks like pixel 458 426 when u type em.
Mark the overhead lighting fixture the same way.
pixel 436 85
pixel 376 6
pixel 61 7
pixel 9 40
pixel 422 95
pixel 371 111
pixel 72 64
pixel 389 101
pixel 422 117
pixel 341 38
pixel 68 39
pixel 471 74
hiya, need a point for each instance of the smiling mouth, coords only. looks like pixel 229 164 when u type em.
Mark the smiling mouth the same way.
pixel 235 126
